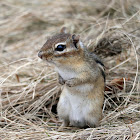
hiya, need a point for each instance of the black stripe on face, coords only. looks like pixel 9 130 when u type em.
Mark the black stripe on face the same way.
pixel 66 54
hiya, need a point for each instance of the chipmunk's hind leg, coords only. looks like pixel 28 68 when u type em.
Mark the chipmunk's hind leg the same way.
pixel 65 123
pixel 92 123
pixel 79 124
pixel 64 117
pixel 92 120
pixel 63 109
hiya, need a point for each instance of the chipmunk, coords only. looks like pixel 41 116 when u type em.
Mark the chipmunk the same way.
pixel 82 75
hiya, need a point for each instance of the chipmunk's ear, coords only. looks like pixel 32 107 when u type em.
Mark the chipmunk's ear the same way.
pixel 63 30
pixel 69 41
pixel 75 39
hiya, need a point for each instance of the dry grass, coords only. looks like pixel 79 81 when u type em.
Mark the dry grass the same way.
pixel 28 88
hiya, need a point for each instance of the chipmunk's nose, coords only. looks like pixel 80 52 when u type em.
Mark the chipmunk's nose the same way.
pixel 40 54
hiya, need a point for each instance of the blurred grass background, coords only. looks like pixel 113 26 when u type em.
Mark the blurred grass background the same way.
pixel 28 88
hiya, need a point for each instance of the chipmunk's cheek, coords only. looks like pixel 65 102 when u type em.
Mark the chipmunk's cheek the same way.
pixel 49 59
pixel 44 59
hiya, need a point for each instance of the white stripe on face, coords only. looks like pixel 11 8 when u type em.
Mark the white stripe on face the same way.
pixel 60 43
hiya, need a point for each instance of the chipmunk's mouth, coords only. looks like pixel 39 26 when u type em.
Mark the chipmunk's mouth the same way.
pixel 49 61
pixel 44 56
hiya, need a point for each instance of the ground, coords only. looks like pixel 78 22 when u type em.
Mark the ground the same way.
pixel 29 91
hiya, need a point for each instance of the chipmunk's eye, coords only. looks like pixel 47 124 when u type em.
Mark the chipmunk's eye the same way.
pixel 60 48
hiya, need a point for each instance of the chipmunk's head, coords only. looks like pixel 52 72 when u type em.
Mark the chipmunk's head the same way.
pixel 61 48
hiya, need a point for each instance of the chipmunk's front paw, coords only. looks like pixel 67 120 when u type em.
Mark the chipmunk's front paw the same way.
pixel 71 82
pixel 61 80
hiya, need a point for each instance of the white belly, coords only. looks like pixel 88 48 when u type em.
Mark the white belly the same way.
pixel 78 107
pixel 66 73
